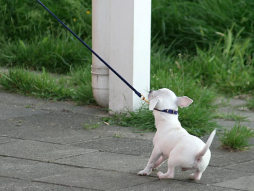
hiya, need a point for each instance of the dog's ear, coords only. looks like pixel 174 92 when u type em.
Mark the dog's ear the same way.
pixel 183 101
pixel 153 103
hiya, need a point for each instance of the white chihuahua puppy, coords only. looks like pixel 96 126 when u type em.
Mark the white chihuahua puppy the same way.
pixel 173 142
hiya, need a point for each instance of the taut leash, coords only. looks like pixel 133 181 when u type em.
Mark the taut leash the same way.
pixel 104 62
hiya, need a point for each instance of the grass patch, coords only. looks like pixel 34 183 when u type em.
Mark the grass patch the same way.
pixel 250 104
pixel 40 85
pixel 237 138
pixel 231 116
pixel 142 119
pixel 183 24
pixel 227 66
pixel 54 54
pixel 77 86
pixel 89 126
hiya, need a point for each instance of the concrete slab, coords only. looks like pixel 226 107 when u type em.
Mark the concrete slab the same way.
pixel 40 150
pixel 245 167
pixel 107 161
pixel 8 98
pixel 50 120
pixel 4 140
pixel 8 112
pixel 210 176
pixel 222 157
pixel 11 184
pixel 174 185
pixel 51 135
pixel 120 145
pixel 120 131
pixel 96 179
pixel 29 170
pixel 65 131
pixel 242 183
pixel 72 107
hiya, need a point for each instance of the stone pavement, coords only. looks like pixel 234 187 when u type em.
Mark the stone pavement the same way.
pixel 44 146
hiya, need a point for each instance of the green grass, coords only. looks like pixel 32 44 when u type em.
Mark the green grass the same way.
pixel 231 116
pixel 227 66
pixel 30 37
pixel 250 104
pixel 54 54
pixel 89 126
pixel 183 24
pixel 237 138
pixel 27 20
pixel 77 86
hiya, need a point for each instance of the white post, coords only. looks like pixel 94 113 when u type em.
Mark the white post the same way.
pixel 128 46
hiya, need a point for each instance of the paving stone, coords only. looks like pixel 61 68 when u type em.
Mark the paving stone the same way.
pixel 11 184
pixel 40 150
pixel 71 107
pixel 120 145
pixel 29 170
pixel 4 140
pixel 64 132
pixel 49 105
pixel 63 120
pixel 8 112
pixel 107 161
pixel 242 183
pixel 19 100
pixel 224 158
pixel 245 167
pixel 96 179
pixel 50 134
pixel 174 185
pixel 210 176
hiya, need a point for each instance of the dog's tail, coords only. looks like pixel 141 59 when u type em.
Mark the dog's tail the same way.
pixel 207 145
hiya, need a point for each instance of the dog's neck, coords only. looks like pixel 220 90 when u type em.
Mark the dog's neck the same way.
pixel 169 111
pixel 170 120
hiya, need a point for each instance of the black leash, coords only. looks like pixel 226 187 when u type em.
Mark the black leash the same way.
pixel 130 86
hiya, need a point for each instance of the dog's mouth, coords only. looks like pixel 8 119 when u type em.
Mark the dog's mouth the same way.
pixel 150 94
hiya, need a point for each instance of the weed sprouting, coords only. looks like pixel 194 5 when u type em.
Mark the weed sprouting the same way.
pixel 236 138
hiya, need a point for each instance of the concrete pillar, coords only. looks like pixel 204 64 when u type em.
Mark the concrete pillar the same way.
pixel 128 26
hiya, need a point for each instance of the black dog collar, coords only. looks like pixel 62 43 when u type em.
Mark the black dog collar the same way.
pixel 170 111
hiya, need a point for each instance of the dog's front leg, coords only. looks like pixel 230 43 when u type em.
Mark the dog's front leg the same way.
pixel 159 162
pixel 154 157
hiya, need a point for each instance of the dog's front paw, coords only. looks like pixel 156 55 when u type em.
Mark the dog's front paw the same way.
pixel 143 173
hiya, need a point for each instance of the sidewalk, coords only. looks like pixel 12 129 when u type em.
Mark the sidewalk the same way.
pixel 44 146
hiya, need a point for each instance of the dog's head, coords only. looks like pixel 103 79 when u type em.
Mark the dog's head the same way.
pixel 166 99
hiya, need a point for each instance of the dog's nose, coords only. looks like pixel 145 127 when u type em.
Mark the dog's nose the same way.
pixel 150 91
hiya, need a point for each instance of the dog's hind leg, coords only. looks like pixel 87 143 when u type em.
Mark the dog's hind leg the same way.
pixel 196 176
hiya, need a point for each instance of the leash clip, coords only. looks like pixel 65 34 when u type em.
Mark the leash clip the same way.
pixel 143 98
